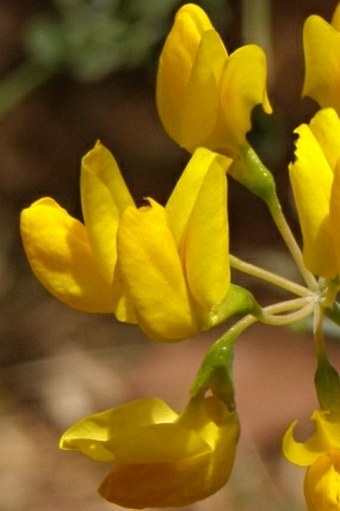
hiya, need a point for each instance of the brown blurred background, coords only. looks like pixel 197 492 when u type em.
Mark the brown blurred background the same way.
pixel 73 71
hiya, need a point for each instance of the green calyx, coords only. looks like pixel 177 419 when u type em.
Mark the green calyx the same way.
pixel 250 172
pixel 327 383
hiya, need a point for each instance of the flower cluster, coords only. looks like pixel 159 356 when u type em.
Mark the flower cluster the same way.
pixel 145 265
pixel 167 268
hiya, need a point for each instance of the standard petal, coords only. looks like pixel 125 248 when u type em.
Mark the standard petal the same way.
pixel 243 86
pixel 206 245
pixel 311 178
pixel 321 44
pixel 92 434
pixel 183 198
pixel 200 111
pixel 104 197
pixel 176 63
pixel 152 271
pixel 59 253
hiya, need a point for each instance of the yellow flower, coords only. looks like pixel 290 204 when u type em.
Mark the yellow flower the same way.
pixel 166 268
pixel 205 97
pixel 160 458
pixel 321 453
pixel 315 178
pixel 322 483
pixel 321 42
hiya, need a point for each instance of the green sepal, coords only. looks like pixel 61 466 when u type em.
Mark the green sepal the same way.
pixel 215 373
pixel 238 301
pixel 333 313
pixel 250 172
pixel 327 383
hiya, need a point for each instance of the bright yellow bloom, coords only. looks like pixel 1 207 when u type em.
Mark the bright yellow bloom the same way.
pixel 160 458
pixel 321 42
pixel 205 97
pixel 163 268
pixel 322 483
pixel 315 178
pixel 321 453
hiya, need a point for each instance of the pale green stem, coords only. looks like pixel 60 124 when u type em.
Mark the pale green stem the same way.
pixel 287 319
pixel 215 370
pixel 252 173
pixel 272 278
pixel 318 333
pixel 305 308
pixel 286 233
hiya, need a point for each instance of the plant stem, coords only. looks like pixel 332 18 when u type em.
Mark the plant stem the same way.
pixel 217 363
pixel 287 235
pixel 304 307
pixel 286 319
pixel 272 278
pixel 318 333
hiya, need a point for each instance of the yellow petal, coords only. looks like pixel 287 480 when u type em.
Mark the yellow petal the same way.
pixel 151 268
pixel 311 178
pixel 206 248
pixel 336 18
pixel 104 197
pixel 142 431
pixel 92 434
pixel 123 307
pixel 325 437
pixel 185 481
pixel 187 83
pixel 176 62
pixel 156 443
pixel 200 112
pixel 335 212
pixel 59 253
pixel 325 127
pixel 322 49
pixel 322 483
pixel 183 198
pixel 243 86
